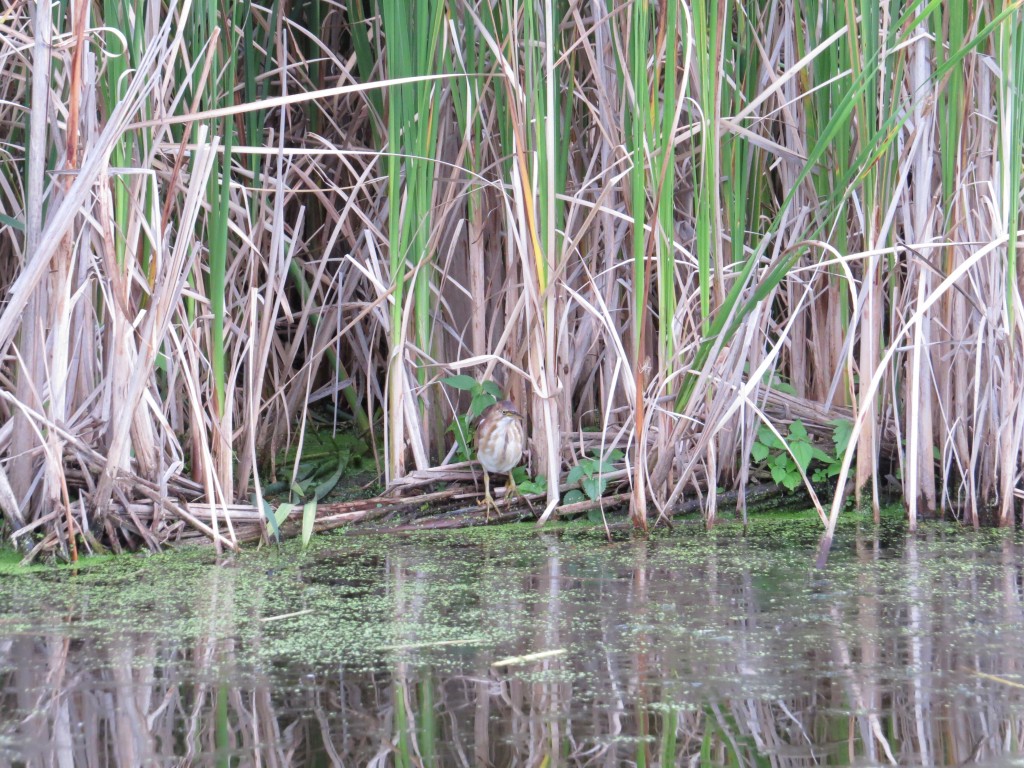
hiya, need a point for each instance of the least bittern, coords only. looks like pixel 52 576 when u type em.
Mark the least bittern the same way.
pixel 500 439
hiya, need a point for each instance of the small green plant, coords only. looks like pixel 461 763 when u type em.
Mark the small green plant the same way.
pixel 590 474
pixel 484 394
pixel 841 431
pixel 525 484
pixel 324 460
pixel 786 466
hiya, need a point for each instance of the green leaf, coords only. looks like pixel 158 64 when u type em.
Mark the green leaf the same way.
pixel 328 485
pixel 595 515
pixel 463 382
pixel 463 434
pixel 575 474
pixel 298 490
pixel 275 487
pixel 594 487
pixel 269 514
pixel 330 464
pixel 823 457
pixel 781 386
pixel 537 485
pixel 843 428
pixel 798 431
pixel 782 461
pixel 480 403
pixel 779 474
pixel 492 389
pixel 306 469
pixel 616 455
pixel 283 511
pixel 792 480
pixel 308 517
pixel 12 222
pixel 574 497
pixel 759 452
pixel 520 476
pixel 803 452
pixel 767 437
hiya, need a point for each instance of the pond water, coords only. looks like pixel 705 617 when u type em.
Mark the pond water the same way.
pixel 687 648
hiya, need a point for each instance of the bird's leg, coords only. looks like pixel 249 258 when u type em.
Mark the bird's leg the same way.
pixel 511 489
pixel 488 501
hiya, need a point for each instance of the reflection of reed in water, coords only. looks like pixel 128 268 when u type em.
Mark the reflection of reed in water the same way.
pixel 684 664
pixel 123 715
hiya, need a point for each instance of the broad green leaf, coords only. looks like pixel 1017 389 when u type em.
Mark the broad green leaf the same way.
pixel 480 403
pixel 798 431
pixel 803 452
pixel 767 437
pixel 792 480
pixel 821 456
pixel 283 511
pixel 538 485
pixel 843 428
pixel 616 455
pixel 328 485
pixel 779 474
pixel 275 487
pixel 460 428
pixel 574 497
pixel 331 462
pixel 308 517
pixel 269 514
pixel 463 382
pixel 759 452
pixel 781 386
pixel 492 389
pixel 575 474
pixel 594 487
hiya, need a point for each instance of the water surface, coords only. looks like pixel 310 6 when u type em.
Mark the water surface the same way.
pixel 685 649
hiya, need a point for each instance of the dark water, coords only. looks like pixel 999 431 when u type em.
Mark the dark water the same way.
pixel 687 649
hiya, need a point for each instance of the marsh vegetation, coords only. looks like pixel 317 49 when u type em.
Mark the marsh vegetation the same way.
pixel 702 245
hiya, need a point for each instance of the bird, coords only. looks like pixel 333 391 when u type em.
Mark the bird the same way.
pixel 500 439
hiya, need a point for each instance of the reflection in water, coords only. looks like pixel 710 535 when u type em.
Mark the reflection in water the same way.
pixel 691 649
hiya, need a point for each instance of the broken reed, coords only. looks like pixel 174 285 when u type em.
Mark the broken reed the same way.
pixel 638 217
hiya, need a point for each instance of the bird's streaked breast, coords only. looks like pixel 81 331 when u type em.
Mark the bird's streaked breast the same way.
pixel 503 447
